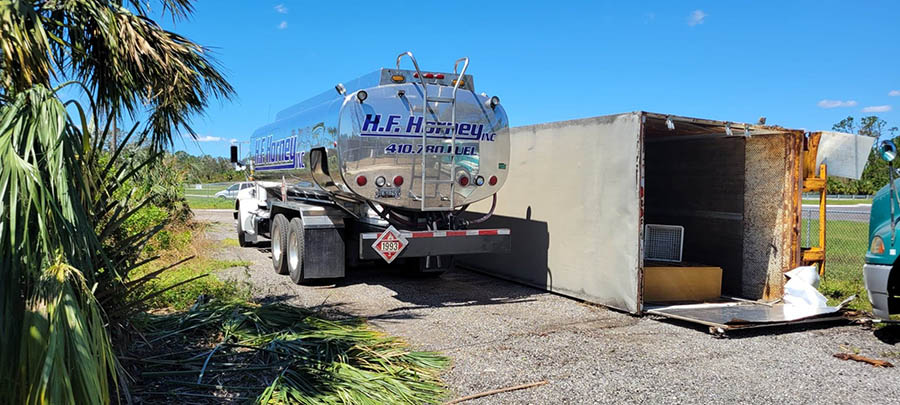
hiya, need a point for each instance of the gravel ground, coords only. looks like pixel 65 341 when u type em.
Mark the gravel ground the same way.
pixel 501 334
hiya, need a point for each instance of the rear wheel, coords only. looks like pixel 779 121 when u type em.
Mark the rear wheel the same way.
pixel 279 241
pixel 295 250
pixel 242 240
pixel 241 237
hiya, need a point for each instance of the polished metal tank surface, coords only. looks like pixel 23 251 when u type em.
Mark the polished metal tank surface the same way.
pixel 360 143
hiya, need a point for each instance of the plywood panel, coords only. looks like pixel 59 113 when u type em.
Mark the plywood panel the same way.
pixel 668 284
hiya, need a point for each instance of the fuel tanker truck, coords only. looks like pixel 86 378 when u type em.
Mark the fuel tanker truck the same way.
pixel 380 168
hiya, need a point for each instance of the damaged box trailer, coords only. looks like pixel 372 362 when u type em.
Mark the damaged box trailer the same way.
pixel 581 194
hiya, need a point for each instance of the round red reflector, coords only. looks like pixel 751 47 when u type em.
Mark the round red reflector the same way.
pixel 493 180
pixel 361 180
pixel 429 75
pixel 398 181
pixel 463 181
pixel 439 76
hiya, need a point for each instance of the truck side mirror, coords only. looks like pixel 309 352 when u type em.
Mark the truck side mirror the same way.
pixel 888 151
pixel 234 154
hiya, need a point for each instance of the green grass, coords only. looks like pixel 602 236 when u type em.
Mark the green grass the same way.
pixel 185 295
pixel 840 202
pixel 846 243
pixel 206 203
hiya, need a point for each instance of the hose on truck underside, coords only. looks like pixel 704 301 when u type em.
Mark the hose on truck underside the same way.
pixel 397 219
pixel 393 221
pixel 486 216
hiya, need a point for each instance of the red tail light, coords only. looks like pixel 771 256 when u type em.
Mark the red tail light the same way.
pixel 429 75
pixel 464 181
pixel 439 76
pixel 493 180
pixel 361 180
pixel 398 181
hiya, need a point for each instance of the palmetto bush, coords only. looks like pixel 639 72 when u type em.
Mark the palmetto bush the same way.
pixel 63 256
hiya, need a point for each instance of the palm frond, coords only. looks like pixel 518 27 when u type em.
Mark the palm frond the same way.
pixel 66 356
pixel 55 346
pixel 314 360
pixel 128 62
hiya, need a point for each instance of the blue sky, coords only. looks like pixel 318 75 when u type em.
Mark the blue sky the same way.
pixel 800 64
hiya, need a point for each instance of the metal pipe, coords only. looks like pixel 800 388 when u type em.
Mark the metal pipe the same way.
pixel 894 199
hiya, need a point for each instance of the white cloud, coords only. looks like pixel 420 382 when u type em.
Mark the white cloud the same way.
pixel 207 138
pixel 836 103
pixel 232 140
pixel 894 93
pixel 876 108
pixel 281 9
pixel 696 18
pixel 283 25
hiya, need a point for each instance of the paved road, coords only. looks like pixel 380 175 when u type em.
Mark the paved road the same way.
pixel 500 334
pixel 853 213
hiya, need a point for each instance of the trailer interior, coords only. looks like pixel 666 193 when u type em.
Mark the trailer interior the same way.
pixel 735 190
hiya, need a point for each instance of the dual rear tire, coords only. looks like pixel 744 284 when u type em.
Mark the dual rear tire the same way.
pixel 287 247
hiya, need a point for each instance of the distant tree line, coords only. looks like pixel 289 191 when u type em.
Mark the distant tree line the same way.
pixel 205 168
pixel 875 175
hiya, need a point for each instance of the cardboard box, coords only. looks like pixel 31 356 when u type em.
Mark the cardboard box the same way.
pixel 665 283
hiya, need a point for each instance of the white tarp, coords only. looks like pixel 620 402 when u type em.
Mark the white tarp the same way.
pixel 844 154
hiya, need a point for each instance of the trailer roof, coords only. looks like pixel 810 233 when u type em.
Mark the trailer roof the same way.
pixel 684 126
pixel 657 122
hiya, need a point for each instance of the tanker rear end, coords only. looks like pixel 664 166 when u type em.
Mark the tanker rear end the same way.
pixel 379 167
pixel 378 139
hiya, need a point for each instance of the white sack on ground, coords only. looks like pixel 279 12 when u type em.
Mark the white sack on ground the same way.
pixel 800 289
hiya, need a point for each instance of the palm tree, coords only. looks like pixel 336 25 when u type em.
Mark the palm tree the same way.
pixel 56 209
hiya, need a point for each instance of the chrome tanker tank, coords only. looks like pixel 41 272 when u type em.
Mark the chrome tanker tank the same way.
pixel 410 139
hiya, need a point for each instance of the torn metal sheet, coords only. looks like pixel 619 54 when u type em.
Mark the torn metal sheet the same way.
pixel 742 314
pixel 845 154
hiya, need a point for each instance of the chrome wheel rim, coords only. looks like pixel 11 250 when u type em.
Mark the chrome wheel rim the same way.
pixel 293 252
pixel 276 242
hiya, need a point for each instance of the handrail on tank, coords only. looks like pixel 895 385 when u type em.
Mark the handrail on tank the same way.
pixel 462 74
pixel 416 64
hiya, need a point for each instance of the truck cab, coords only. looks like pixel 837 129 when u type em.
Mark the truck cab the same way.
pixel 882 279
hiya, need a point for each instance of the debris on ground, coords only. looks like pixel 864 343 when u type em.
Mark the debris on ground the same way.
pixel 277 353
pixel 863 359
pixel 497 391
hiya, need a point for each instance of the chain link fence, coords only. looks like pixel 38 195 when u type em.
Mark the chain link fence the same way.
pixel 846 242
pixel 815 196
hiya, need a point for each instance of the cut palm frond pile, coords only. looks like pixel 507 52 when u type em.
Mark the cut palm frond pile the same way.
pixel 277 353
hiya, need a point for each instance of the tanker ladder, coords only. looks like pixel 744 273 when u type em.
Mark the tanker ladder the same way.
pixel 438 158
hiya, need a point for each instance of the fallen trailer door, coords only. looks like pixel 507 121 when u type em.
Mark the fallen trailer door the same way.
pixel 724 316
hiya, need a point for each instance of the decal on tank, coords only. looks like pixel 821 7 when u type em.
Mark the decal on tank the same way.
pixel 269 154
pixel 411 127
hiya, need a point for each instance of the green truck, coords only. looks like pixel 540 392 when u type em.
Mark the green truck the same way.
pixel 880 272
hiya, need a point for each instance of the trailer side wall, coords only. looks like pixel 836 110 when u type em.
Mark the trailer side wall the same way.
pixel 572 202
